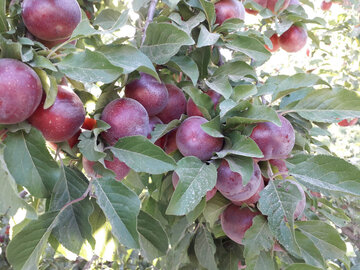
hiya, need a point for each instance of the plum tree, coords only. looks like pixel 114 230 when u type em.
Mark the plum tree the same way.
pixel 271 4
pixel 228 9
pixel 20 91
pixel 191 140
pixel 127 117
pixel 348 122
pixel 294 39
pixel 209 195
pixel 275 43
pixel 152 94
pixel 63 119
pixel 235 221
pixel 326 5
pixel 176 105
pixel 51 19
pixel 120 169
pixel 230 184
pixel 153 121
pixel 193 110
pixel 274 142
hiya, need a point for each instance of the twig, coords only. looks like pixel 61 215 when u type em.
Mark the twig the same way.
pixel 86 193
pixel 149 18
pixel 58 47
pixel 89 263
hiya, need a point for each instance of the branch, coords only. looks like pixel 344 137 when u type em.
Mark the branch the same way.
pixel 86 193
pixel 149 18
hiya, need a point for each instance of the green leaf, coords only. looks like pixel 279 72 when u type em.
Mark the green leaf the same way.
pixel 84 29
pixel 73 229
pixel 255 114
pixel 201 100
pixel 189 24
pixel 25 249
pixel 111 20
pixel 278 201
pixel 186 65
pixel 241 165
pixel 50 87
pixel 230 25
pixel 202 58
pixel 205 249
pixel 263 261
pixel 195 179
pixel 171 3
pixel 162 130
pixel 88 146
pixel 206 38
pixel 221 85
pixel 243 91
pixel 10 202
pixel 89 66
pixel 209 10
pixel 163 40
pixel 240 145
pixel 30 163
pixel 327 174
pixel 4 27
pixel 42 62
pixel 325 238
pixel 10 49
pixel 153 238
pixel 329 106
pixel 249 46
pixel 236 71
pixel 257 238
pixel 214 208
pixel 121 206
pixel 128 58
pixel 301 266
pixel 309 252
pixel 143 156
pixel 213 128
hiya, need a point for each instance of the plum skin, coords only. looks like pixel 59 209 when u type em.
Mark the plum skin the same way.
pixel 170 145
pixel 153 121
pixel 228 9
pixel 326 5
pixel 209 195
pixel 191 140
pixel 272 3
pixel 294 39
pixel 51 19
pixel 20 91
pixel 63 119
pixel 300 207
pixel 230 185
pixel 262 3
pixel 152 94
pixel 346 122
pixel 235 221
pixel 120 168
pixel 127 117
pixel 274 142
pixel 176 105
pixel 193 110
pixel 275 42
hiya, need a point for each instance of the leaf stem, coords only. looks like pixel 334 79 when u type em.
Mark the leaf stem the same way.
pixel 58 47
pixel 86 193
pixel 149 18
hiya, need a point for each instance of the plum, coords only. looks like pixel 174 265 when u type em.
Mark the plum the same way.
pixel 152 94
pixel 262 3
pixel 20 91
pixel 294 39
pixel 153 121
pixel 193 110
pixel 170 145
pixel 326 5
pixel 271 4
pixel 191 140
pixel 127 117
pixel 51 19
pixel 275 42
pixel 274 142
pixel 254 198
pixel 228 9
pixel 120 169
pixel 63 119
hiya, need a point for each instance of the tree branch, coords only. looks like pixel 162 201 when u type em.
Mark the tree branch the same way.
pixel 149 18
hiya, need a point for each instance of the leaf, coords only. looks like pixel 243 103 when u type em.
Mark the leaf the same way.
pixel 128 58
pixel 213 127
pixel 187 65
pixel 10 49
pixel 205 249
pixel 309 252
pixel 202 58
pixel 257 238
pixel 163 40
pixel 153 238
pixel 4 27
pixel 162 130
pixel 236 71
pixel 42 62
pixel 325 238
pixel 89 66
pixel 206 38
pixel 25 249
pixel 73 229
pixel 330 106
pixel 209 10
pixel 201 100
pixel 301 266
pixel 190 23
pixel 214 208
pixel 263 261
pixel 171 3
pixel 221 85
pixel 50 87
pixel 143 156
pixel 241 165
pixel 240 145
pixel 10 202
pixel 249 46
pixel 277 201
pixel 243 91
pixel 327 174
pixel 195 179
pixel 121 206
pixel 111 20
pixel 30 163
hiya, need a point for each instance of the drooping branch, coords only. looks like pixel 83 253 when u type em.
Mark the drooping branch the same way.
pixel 149 18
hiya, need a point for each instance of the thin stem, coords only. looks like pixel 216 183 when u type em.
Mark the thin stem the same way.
pixel 86 193
pixel 89 263
pixel 281 112
pixel 149 18
pixel 53 51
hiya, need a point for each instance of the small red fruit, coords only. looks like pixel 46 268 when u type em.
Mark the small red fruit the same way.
pixel 294 39
pixel 89 124
pixel 275 42
pixel 346 122
pixel 193 110
pixel 153 121
pixel 326 5
pixel 228 9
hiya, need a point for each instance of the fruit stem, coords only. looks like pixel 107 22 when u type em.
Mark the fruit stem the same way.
pixel 58 47
pixel 149 18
